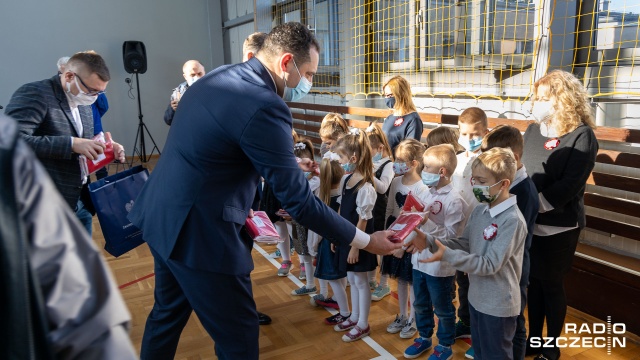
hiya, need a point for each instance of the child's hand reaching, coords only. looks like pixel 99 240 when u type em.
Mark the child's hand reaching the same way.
pixel 353 255
pixel 418 243
pixel 437 256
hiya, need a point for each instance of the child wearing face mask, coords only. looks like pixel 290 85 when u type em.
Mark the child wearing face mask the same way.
pixel 433 282
pixel 473 126
pixel 357 200
pixel 303 149
pixel 490 250
pixel 408 165
pixel 331 173
pixel 332 128
pixel 505 136
pixel 383 174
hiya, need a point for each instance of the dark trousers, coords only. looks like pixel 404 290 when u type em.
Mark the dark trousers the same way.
pixel 551 258
pixel 463 290
pixel 492 336
pixel 520 337
pixel 224 304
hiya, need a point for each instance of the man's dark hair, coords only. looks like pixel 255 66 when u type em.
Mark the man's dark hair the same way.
pixel 253 42
pixel 91 62
pixel 291 37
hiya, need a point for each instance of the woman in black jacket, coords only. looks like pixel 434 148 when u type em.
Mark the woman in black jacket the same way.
pixel 559 153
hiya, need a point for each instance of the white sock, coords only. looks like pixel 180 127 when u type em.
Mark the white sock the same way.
pixel 361 280
pixel 285 245
pixel 340 295
pixel 355 304
pixel 384 280
pixel 308 269
pixel 403 297
pixel 324 287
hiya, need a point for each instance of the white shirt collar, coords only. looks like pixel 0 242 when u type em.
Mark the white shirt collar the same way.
pixel 334 192
pixel 443 190
pixel 521 174
pixel 547 130
pixel 500 208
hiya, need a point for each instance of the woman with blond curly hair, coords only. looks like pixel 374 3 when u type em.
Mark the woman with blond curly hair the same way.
pixel 559 153
pixel 404 122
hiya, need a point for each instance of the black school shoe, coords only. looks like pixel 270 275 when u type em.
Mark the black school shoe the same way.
pixel 263 319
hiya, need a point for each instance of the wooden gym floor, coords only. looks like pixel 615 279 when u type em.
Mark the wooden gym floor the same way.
pixel 297 330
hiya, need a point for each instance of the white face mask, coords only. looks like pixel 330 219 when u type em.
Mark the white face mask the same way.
pixel 192 80
pixel 82 98
pixel 542 111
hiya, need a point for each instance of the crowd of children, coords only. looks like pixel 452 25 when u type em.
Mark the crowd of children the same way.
pixel 480 208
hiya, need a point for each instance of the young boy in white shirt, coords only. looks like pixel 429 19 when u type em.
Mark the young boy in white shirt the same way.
pixel 433 282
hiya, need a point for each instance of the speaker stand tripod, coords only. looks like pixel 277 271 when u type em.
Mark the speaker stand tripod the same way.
pixel 142 127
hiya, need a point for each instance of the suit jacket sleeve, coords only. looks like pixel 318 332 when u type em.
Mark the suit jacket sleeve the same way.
pixel 29 107
pixel 168 115
pixel 267 141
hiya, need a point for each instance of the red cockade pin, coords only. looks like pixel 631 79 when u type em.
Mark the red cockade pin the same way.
pixel 436 207
pixel 490 232
pixel 551 144
pixel 398 122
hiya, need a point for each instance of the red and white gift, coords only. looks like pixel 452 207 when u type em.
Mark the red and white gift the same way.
pixel 404 225
pixel 261 229
pixel 412 203
pixel 88 167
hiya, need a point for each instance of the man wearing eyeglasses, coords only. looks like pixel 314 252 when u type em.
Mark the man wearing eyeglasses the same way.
pixel 55 118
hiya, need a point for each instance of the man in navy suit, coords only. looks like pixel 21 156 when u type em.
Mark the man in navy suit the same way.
pixel 232 127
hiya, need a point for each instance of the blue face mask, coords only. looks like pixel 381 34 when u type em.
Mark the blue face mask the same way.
pixel 377 156
pixel 430 179
pixel 298 92
pixel 470 145
pixel 306 174
pixel 400 168
pixel 348 167
pixel 390 102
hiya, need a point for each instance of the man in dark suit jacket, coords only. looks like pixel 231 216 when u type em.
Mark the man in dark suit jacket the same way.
pixel 198 197
pixel 55 118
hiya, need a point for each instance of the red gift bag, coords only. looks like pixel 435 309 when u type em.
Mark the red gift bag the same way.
pixel 413 203
pixel 404 225
pixel 261 229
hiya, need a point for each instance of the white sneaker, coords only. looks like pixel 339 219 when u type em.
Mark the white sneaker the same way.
pixel 409 329
pixel 397 325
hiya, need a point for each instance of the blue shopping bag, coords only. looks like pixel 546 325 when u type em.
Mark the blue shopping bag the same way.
pixel 113 198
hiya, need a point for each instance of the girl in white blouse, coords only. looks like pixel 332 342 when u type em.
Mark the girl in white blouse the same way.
pixel 357 200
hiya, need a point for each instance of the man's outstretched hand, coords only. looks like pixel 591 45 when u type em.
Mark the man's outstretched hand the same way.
pixel 380 243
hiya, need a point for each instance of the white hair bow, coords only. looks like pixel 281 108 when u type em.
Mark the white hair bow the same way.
pixel 354 131
pixel 370 128
pixel 299 146
pixel 331 156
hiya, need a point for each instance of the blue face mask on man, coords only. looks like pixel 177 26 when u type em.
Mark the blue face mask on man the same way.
pixel 298 92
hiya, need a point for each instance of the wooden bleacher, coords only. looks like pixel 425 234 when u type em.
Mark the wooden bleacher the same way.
pixel 602 283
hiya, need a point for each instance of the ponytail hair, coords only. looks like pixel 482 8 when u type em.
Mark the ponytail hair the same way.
pixel 330 175
pixel 303 147
pixel 294 134
pixel 357 143
pixel 333 127
pixel 377 137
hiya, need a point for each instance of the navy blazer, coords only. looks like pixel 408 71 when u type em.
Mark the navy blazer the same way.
pixel 231 128
pixel 46 124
